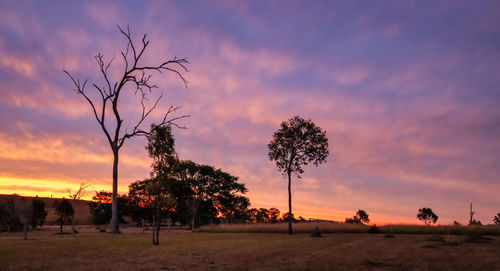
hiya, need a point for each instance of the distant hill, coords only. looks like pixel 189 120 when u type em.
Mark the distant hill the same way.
pixel 82 211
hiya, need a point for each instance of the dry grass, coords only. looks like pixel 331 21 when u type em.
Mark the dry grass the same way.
pixel 326 227
pixel 182 250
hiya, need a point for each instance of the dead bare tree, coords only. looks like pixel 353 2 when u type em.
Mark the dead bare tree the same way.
pixel 138 76
pixel 75 197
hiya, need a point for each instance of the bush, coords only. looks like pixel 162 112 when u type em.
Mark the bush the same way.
pixel 477 237
pixel 316 232
pixel 374 229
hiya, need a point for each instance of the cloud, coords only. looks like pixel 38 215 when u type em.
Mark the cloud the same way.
pixel 410 106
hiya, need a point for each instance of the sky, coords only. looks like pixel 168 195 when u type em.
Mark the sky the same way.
pixel 407 92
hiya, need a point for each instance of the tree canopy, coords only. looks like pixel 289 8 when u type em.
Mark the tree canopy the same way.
pixel 427 216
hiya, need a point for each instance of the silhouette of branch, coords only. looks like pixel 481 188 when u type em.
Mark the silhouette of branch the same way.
pixel 139 77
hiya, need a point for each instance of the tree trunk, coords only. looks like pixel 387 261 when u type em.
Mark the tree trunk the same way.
pixel 289 203
pixel 194 215
pixel 158 224
pixel 153 228
pixel 73 224
pixel 114 225
pixel 61 226
pixel 26 229
pixel 142 223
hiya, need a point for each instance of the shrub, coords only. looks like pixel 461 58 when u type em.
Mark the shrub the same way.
pixel 374 229
pixel 316 232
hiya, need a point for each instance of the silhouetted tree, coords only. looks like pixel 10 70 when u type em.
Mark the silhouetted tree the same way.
pixel 161 147
pixel 496 219
pixel 360 218
pixel 427 216
pixel 136 77
pixel 75 197
pixel 38 213
pixel 10 218
pixel 233 208
pixel 297 143
pixel 252 215
pixel 209 184
pixel 3 218
pixel 65 211
pixel 262 215
pixel 100 208
pixel 288 217
pixel 274 215
pixel 23 213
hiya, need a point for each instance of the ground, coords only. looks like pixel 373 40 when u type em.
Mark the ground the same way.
pixel 183 250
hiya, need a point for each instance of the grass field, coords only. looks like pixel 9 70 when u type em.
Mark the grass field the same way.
pixel 326 227
pixel 183 250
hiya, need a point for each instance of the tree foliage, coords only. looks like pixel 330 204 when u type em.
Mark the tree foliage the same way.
pixel 38 213
pixel 496 219
pixel 274 215
pixel 100 208
pixel 297 143
pixel 427 216
pixel 64 209
pixel 361 217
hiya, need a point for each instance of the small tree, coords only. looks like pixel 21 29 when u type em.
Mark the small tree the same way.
pixel 23 213
pixel 274 215
pixel 360 218
pixel 161 147
pixel 496 219
pixel 262 215
pixel 75 198
pixel 287 217
pixel 427 216
pixel 65 211
pixel 297 143
pixel 38 213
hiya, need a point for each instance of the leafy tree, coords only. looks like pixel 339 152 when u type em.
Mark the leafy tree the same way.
pixel 38 213
pixel 360 218
pixel 10 218
pixel 233 209
pixel 252 215
pixel 65 211
pixel 262 215
pixel 496 219
pixel 104 100
pixel 288 217
pixel 4 218
pixel 427 216
pixel 100 208
pixel 161 147
pixel 274 215
pixel 209 184
pixel 297 143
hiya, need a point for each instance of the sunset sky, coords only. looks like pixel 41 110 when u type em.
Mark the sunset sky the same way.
pixel 408 92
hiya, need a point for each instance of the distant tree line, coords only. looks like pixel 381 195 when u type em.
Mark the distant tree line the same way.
pixel 17 214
